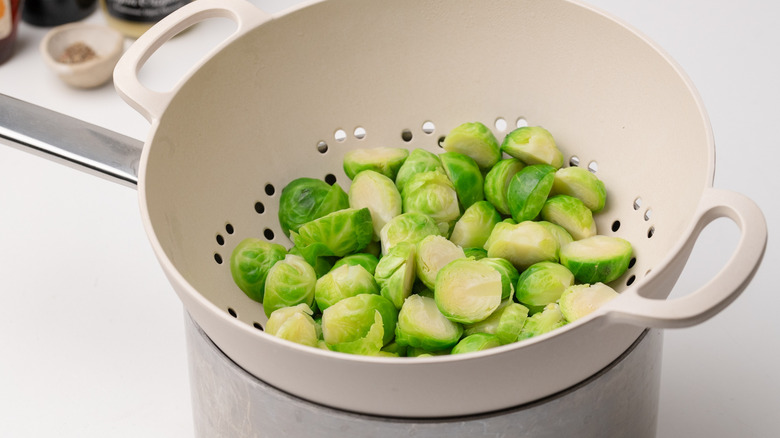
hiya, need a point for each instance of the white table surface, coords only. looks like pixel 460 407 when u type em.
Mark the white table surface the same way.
pixel 91 333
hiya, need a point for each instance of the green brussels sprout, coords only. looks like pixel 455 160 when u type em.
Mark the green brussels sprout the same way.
pixel 475 253
pixel 395 273
pixel 432 194
pixel 421 352
pixel 306 199
pixel 351 319
pixel 466 177
pixel 250 262
pixel 533 145
pixel 432 254
pixel 528 191
pixel 420 288
pixel 582 184
pixel 378 193
pixel 497 183
pixel 476 342
pixel 293 324
pixel 561 235
pixel 475 140
pixel 373 248
pixel 407 227
pixel 597 259
pixel 543 283
pixel 338 234
pixel 364 259
pixel 467 291
pixel 570 213
pixel 522 244
pixel 385 161
pixel 368 345
pixel 422 325
pixel 473 228
pixel 290 282
pixel 419 161
pixel 395 349
pixel 343 282
pixel 509 274
pixel 542 322
pixel 506 322
pixel 582 299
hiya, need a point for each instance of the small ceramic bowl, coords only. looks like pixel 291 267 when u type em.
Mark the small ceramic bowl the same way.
pixel 83 54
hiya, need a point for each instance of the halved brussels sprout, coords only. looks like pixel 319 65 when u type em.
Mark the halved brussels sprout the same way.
pixel 250 262
pixel 582 184
pixel 570 213
pixel 419 161
pixel 364 259
pixel 522 244
pixel 395 273
pixel 542 322
pixel 582 299
pixel 466 177
pixel 475 253
pixel 474 226
pixel 467 291
pixel 378 193
pixel 306 199
pixel 561 235
pixel 383 160
pixel 506 322
pixel 475 140
pixel 351 319
pixel 476 342
pixel 407 227
pixel 338 234
pixel 509 274
pixel 421 352
pixel 422 325
pixel 528 191
pixel 293 324
pixel 597 259
pixel 433 253
pixel 432 194
pixel 290 282
pixel 543 283
pixel 497 183
pixel 533 145
pixel 343 282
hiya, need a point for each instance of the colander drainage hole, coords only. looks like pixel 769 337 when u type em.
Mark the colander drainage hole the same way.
pixel 220 240
pixel 631 262
pixel 630 280
pixel 406 135
pixel 330 179
pixel 615 226
pixel 270 189
pixel 501 124
pixel 428 127
pixel 258 326
pixel 268 233
pixel 229 228
pixel 259 207
pixel 650 232
pixel 574 161
pixel 521 122
pixel 322 147
pixel 218 258
pixel 232 312
pixel 441 141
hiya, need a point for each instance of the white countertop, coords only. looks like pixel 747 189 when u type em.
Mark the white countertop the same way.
pixel 91 333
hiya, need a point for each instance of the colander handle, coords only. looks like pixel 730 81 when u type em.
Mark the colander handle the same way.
pixel 721 290
pixel 149 103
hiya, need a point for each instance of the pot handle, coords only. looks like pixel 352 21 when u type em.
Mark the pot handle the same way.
pixel 151 104
pixel 721 290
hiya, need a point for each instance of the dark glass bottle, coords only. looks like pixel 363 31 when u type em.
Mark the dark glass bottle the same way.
pixel 55 12
pixel 9 22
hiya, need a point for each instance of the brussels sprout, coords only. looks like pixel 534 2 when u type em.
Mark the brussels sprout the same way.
pixel 497 183
pixel 250 262
pixel 395 349
pixel 474 227
pixel 373 248
pixel 545 321
pixel 351 319
pixel 432 194
pixel 582 184
pixel 294 324
pixel 421 352
pixel 407 227
pixel 561 235
pixel 533 145
pixel 570 213
pixel 522 244
pixel 343 282
pixel 433 253
pixel 582 299
pixel 338 234
pixel 306 199
pixel 364 259
pixel 475 253
pixel 466 177
pixel 420 288
pixel 322 264
pixel 476 342
pixel 419 161
pixel 395 273
pixel 378 193
pixel 368 345
pixel 467 291
pixel 475 140
pixel 597 259
pixel 509 274
pixel 506 322
pixel 422 325
pixel 542 283
pixel 528 191
pixel 290 282
pixel 385 161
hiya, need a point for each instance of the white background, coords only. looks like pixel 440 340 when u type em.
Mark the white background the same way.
pixel 91 334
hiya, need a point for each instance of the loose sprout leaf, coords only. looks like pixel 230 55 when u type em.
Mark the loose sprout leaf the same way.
pixel 571 214
pixel 306 199
pixel 433 253
pixel 384 160
pixel 290 282
pixel 422 325
pixel 528 191
pixel 581 300
pixel 466 177
pixel 474 226
pixel 475 253
pixel 582 184
pixel 467 291
pixel 379 194
pixel 543 283
pixel 419 161
pixel 476 342
pixel 250 262
pixel 597 259
pixel 533 145
pixel 511 323
pixel 475 140
pixel 338 234
pixel 497 183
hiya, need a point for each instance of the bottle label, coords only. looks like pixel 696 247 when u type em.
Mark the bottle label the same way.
pixel 142 11
pixel 6 19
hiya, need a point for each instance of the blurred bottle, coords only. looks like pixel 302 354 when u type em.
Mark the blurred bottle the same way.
pixel 134 17
pixel 9 22
pixel 55 12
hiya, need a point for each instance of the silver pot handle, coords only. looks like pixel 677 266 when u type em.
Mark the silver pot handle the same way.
pixel 69 141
